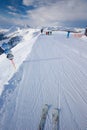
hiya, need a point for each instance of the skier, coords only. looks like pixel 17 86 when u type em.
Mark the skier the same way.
pixel 86 31
pixel 68 34
pixel 42 30
pixel 50 32
pixel 10 56
pixel 46 33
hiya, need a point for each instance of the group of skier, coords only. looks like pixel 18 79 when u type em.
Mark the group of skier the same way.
pixel 68 33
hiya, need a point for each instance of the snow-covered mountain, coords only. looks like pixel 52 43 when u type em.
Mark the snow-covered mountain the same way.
pixel 61 28
pixel 20 52
pixel 50 69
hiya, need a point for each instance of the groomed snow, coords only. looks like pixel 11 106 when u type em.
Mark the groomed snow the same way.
pixel 54 73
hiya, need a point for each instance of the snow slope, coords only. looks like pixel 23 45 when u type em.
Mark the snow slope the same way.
pixel 20 52
pixel 54 73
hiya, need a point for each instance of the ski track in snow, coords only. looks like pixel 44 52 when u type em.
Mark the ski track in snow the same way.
pixel 54 73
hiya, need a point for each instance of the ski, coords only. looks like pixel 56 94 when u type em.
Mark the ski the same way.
pixel 55 119
pixel 43 117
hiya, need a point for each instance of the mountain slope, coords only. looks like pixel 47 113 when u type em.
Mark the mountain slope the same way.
pixel 54 73
pixel 20 52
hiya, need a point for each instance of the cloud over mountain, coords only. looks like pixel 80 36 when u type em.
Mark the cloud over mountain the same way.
pixel 47 12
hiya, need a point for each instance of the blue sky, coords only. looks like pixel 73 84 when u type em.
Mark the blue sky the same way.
pixel 43 12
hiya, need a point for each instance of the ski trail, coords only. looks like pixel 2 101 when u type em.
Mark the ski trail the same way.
pixel 51 74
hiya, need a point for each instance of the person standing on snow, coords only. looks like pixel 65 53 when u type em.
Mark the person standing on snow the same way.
pixel 42 30
pixel 68 34
pixel 85 31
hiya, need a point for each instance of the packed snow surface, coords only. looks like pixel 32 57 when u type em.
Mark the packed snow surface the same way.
pixel 53 72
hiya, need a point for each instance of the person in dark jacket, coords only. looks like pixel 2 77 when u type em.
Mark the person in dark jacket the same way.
pixel 86 31
pixel 68 34
pixel 42 30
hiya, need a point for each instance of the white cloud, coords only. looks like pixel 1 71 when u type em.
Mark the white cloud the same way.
pixel 48 13
pixel 12 13
pixel 61 11
pixel 38 3
pixel 12 20
pixel 28 2
pixel 12 8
